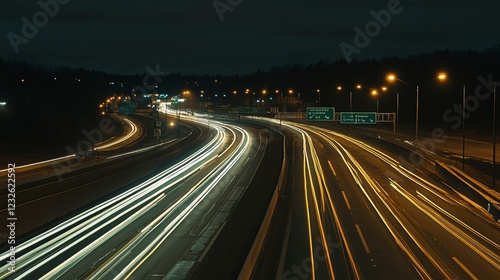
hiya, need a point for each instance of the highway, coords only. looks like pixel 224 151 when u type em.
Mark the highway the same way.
pixel 356 213
pixel 43 169
pixel 144 231
pixel 349 210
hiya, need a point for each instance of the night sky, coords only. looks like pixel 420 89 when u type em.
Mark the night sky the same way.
pixel 188 36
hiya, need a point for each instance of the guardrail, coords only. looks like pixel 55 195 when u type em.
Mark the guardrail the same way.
pixel 252 257
pixel 472 192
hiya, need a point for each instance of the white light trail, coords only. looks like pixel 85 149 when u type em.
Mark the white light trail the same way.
pixel 109 217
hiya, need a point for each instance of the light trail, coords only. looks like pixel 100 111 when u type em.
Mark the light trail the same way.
pixel 108 218
pixel 133 131
pixel 114 208
pixel 468 236
pixel 314 178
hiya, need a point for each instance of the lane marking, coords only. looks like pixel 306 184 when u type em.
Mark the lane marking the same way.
pixel 471 275
pixel 331 167
pixel 346 201
pixel 362 239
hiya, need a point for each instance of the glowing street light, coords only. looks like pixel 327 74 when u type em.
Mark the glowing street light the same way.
pixel 393 78
pixel 358 86
pixel 374 92
pixel 443 77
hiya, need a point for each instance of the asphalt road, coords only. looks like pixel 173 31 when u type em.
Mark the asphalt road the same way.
pixel 349 210
pixel 146 231
pixel 359 214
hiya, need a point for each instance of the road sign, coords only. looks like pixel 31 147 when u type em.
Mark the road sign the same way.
pixel 358 117
pixel 320 113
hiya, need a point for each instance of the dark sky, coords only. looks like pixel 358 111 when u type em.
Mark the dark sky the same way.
pixel 187 36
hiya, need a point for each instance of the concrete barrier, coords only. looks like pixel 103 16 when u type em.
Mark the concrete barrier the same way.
pixel 252 257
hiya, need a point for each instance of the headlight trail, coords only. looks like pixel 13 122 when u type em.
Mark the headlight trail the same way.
pixel 133 130
pixel 314 178
pixel 109 217
pixel 460 230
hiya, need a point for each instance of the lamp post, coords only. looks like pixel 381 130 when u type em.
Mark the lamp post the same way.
pixel 319 97
pixel 375 93
pixel 397 110
pixel 290 92
pixel 443 77
pixel 339 88
pixel 392 78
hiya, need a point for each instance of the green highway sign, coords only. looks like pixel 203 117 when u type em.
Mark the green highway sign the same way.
pixel 358 118
pixel 320 113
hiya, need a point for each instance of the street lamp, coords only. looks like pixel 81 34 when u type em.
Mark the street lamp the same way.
pixel 444 77
pixel 393 78
pixel 375 93
pixel 289 92
pixel 339 88
pixel 319 97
